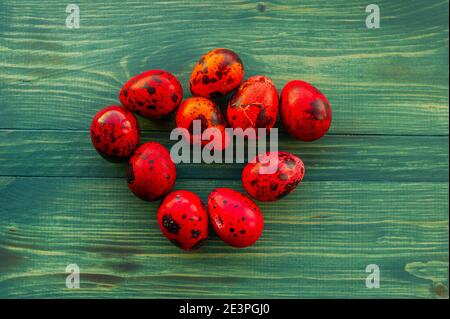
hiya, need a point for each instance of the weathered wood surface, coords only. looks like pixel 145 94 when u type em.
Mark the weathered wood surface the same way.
pixel 345 158
pixel 390 80
pixel 376 189
pixel 317 242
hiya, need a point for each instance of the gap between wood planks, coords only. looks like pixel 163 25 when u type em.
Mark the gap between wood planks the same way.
pixel 6 129
pixel 228 179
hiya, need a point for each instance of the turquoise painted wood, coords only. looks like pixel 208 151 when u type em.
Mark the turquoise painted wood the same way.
pixel 376 188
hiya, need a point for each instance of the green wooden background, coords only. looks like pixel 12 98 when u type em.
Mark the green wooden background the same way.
pixel 376 189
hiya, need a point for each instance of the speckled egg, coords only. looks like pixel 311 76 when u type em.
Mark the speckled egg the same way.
pixel 151 173
pixel 305 111
pixel 254 104
pixel 183 220
pixel 272 176
pixel 153 94
pixel 236 219
pixel 208 115
pixel 115 133
pixel 216 74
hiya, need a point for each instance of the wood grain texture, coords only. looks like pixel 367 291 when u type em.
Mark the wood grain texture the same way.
pixel 391 80
pixel 347 158
pixel 376 187
pixel 318 249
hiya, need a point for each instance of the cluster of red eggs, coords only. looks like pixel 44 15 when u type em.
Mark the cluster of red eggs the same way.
pixel 151 175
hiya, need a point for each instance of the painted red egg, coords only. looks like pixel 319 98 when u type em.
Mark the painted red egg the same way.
pixel 153 94
pixel 208 116
pixel 254 104
pixel 236 219
pixel 115 133
pixel 272 176
pixel 216 74
pixel 305 111
pixel 151 173
pixel 183 219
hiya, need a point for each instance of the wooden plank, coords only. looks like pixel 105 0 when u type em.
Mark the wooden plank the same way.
pixel 317 242
pixel 386 81
pixel 376 189
pixel 358 158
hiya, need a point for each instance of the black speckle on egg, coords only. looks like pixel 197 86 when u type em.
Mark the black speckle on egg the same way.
pixel 170 225
pixel 195 233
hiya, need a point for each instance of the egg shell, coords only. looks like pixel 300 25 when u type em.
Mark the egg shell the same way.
pixel 305 111
pixel 216 74
pixel 209 115
pixel 183 220
pixel 269 183
pixel 151 174
pixel 152 94
pixel 115 133
pixel 254 104
pixel 236 219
